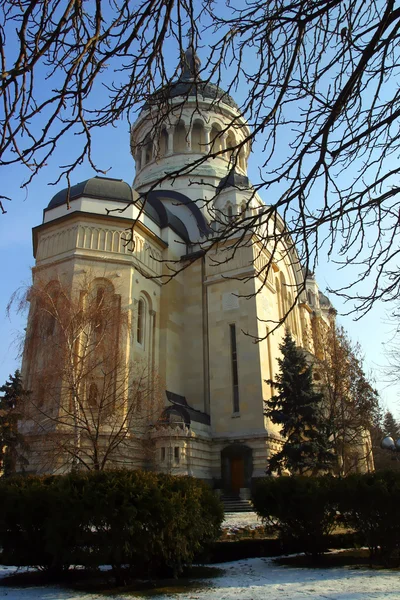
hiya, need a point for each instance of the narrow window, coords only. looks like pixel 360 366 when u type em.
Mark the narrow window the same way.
pixel 235 378
pixel 162 454
pixel 99 312
pixel 93 395
pixel 140 322
pixel 176 454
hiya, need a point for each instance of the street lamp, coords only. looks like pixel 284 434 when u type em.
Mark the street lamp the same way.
pixel 388 443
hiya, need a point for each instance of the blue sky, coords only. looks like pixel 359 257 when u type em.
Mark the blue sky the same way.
pixel 112 151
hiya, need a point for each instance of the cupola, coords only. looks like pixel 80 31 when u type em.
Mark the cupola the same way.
pixel 179 125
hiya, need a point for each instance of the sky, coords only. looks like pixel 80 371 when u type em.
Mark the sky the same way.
pixel 112 151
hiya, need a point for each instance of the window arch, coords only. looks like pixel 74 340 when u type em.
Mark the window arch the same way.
pixel 278 297
pixel 93 395
pixel 180 143
pixel 141 321
pixel 284 296
pixel 148 150
pixel 215 138
pixel 163 145
pixel 229 211
pixel 198 137
pixel 50 308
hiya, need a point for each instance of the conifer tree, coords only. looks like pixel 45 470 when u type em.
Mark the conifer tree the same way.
pixel 297 408
pixel 12 443
pixel 390 426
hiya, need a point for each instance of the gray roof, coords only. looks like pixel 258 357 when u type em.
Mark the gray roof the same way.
pixel 117 190
pixel 96 187
pixel 189 84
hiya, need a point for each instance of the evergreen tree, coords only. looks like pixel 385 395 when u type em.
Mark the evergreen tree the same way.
pixel 297 408
pixel 385 425
pixel 390 426
pixel 12 443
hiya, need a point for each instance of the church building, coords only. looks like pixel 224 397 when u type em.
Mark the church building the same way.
pixel 199 333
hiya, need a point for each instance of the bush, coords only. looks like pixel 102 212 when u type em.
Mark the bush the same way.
pixel 370 504
pixel 300 509
pixel 147 522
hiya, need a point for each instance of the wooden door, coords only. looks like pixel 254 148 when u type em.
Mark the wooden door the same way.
pixel 237 473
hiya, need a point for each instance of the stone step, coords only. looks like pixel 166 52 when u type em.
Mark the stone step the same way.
pixel 234 505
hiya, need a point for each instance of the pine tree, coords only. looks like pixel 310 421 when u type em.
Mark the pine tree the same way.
pixel 297 408
pixel 390 426
pixel 12 443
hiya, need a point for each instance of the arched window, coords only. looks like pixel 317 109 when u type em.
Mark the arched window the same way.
pixel 99 312
pixel 138 161
pixel 243 208
pixel 163 146
pixel 180 143
pixel 292 316
pixel 93 396
pixel 215 138
pixel 278 297
pixel 148 150
pixel 284 306
pixel 198 137
pixel 229 212
pixel 50 309
pixel 140 328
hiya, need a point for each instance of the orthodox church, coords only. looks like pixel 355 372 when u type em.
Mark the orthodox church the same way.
pixel 197 332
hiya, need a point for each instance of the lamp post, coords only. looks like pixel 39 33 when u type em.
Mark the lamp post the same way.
pixel 388 443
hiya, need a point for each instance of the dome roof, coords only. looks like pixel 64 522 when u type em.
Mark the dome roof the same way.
pixel 189 85
pixel 117 190
pixel 105 188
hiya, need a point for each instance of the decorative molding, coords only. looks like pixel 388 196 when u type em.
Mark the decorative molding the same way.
pixel 100 239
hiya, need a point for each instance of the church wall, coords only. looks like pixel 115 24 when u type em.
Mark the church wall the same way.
pixel 226 309
pixel 195 338
pixel 171 323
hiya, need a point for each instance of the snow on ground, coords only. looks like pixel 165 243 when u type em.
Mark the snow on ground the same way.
pixel 252 579
pixel 240 520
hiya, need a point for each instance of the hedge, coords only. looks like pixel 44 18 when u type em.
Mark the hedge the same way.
pixel 302 510
pixel 370 504
pixel 305 510
pixel 137 522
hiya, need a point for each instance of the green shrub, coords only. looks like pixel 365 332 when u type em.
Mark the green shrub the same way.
pixel 148 522
pixel 370 504
pixel 300 509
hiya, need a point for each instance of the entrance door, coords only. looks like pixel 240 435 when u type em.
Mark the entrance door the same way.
pixel 237 473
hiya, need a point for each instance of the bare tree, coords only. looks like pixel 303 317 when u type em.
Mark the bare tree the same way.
pixel 351 404
pixel 90 407
pixel 320 101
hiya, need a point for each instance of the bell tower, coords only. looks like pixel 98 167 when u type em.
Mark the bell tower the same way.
pixel 185 138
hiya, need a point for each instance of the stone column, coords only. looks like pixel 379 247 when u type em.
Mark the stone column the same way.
pixel 223 140
pixel 188 138
pixel 170 132
pixel 207 131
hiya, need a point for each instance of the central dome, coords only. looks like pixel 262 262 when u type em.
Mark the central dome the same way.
pixel 189 85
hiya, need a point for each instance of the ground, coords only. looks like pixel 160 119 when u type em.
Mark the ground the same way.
pixel 250 579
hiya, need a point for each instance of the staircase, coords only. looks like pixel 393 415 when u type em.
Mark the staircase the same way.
pixel 234 504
